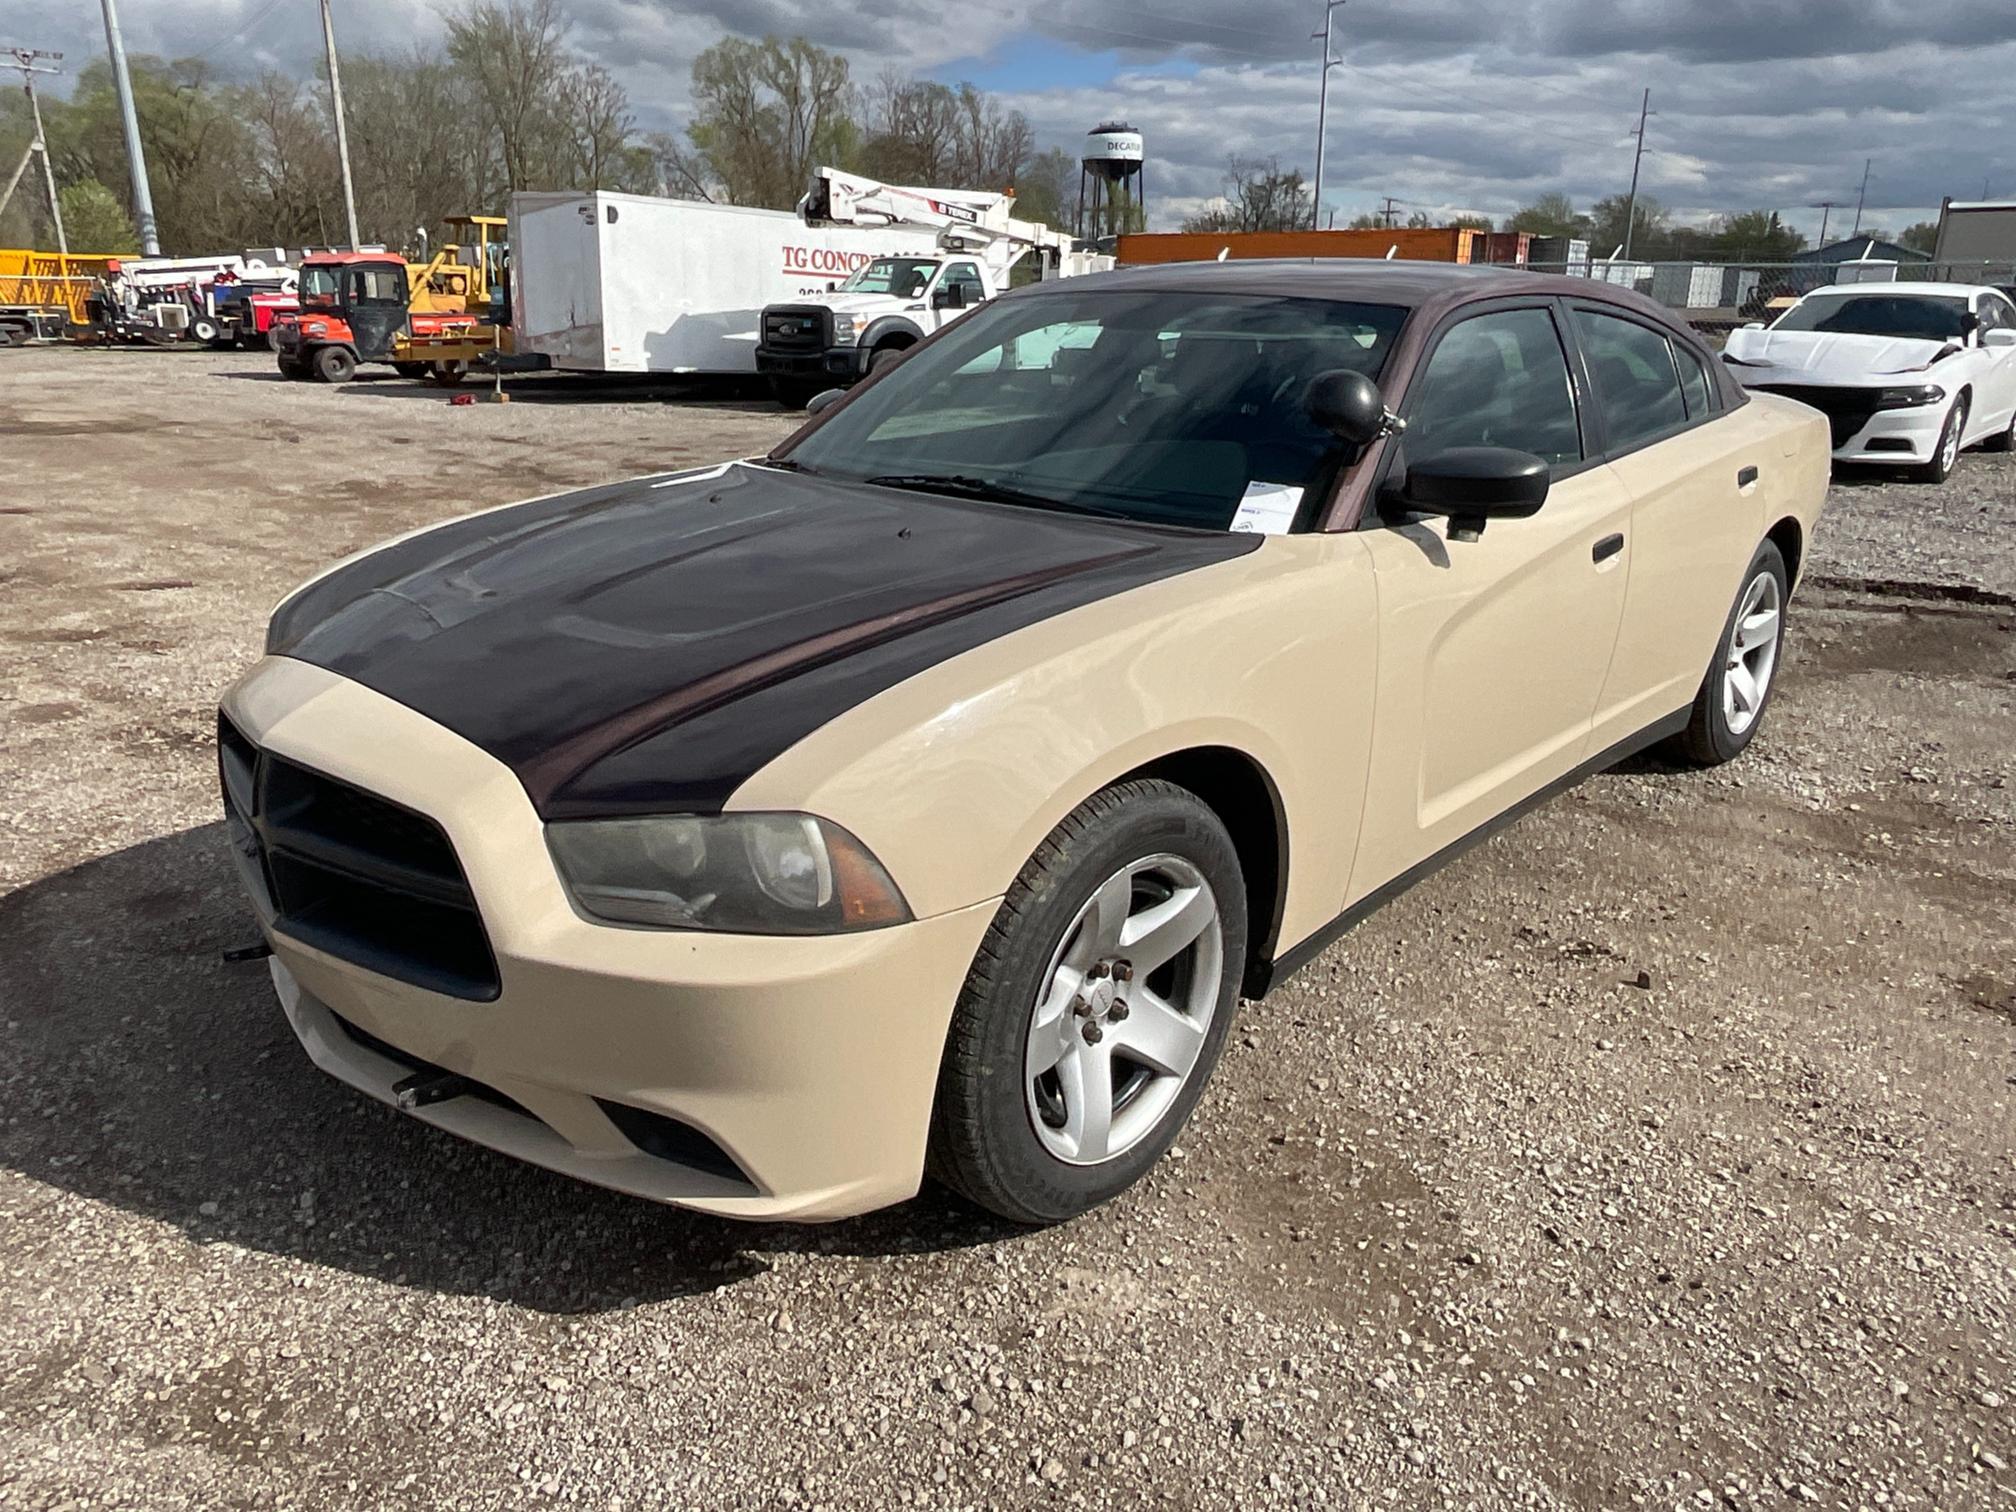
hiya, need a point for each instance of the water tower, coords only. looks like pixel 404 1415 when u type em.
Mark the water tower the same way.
pixel 1109 180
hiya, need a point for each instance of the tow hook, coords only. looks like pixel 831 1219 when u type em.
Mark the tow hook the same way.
pixel 254 952
pixel 425 1088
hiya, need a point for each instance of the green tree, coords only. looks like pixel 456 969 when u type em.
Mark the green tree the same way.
pixel 765 115
pixel 95 221
pixel 1753 236
pixel 1652 227
pixel 1549 215
pixel 1046 190
pixel 1922 237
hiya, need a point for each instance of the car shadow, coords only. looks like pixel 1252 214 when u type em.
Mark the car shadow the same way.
pixel 734 395
pixel 138 1069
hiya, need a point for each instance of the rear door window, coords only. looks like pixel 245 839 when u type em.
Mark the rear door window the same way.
pixel 1636 380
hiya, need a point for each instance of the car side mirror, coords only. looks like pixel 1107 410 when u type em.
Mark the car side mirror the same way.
pixel 1473 484
pixel 1347 404
pixel 1999 337
pixel 950 297
pixel 824 400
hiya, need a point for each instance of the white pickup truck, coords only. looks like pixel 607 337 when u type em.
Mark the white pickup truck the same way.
pixel 887 306
pixel 893 302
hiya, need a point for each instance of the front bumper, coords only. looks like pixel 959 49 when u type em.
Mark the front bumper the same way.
pixel 809 1062
pixel 848 364
pixel 1860 431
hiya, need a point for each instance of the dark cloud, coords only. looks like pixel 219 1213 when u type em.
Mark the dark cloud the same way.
pixel 1444 103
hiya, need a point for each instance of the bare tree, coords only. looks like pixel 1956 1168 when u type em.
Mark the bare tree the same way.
pixel 513 51
pixel 1258 196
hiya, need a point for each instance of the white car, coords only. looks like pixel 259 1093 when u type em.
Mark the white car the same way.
pixel 1906 373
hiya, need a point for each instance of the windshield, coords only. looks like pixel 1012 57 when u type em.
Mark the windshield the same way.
pixel 904 276
pixel 1159 407
pixel 1920 317
pixel 318 285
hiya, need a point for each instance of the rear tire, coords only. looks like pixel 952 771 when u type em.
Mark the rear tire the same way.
pixel 1947 453
pixel 1729 709
pixel 333 364
pixel 1048 1100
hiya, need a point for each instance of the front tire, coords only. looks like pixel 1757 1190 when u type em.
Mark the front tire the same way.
pixel 333 364
pixel 1730 706
pixel 1946 455
pixel 1096 1008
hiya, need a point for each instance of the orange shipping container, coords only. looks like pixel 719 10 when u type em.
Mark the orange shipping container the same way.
pixel 1436 244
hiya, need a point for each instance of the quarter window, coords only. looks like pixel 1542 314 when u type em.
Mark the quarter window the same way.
pixel 1636 382
pixel 1694 379
pixel 1497 380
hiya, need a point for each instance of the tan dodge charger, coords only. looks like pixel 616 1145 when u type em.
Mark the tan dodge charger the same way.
pixel 924 796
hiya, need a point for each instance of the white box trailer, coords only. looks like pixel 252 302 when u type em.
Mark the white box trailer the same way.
pixel 626 283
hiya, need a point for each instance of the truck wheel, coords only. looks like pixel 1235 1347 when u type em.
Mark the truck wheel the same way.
pixel 415 370
pixel 883 357
pixel 448 374
pixel 14 335
pixel 204 330
pixel 333 364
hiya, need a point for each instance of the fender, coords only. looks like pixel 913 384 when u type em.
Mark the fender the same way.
pixel 887 326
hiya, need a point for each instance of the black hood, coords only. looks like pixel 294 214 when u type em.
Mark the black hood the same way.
pixel 649 646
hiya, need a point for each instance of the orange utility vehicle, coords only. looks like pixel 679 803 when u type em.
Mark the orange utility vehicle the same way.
pixel 355 307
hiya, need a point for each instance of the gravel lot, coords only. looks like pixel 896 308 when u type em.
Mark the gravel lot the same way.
pixel 1661 1152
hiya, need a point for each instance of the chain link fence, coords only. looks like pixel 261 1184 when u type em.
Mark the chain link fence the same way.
pixel 1718 297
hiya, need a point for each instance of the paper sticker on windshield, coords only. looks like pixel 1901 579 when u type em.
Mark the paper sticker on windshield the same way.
pixel 1267 509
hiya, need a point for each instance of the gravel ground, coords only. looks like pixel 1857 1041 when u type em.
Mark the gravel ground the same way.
pixel 1657 1153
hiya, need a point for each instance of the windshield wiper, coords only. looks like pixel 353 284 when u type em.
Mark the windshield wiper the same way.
pixel 965 486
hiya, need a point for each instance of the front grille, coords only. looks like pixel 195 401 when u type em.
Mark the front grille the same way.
pixel 797 327
pixel 1847 409
pixel 353 874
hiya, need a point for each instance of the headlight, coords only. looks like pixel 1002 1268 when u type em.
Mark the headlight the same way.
pixel 847 329
pixel 1908 398
pixel 776 874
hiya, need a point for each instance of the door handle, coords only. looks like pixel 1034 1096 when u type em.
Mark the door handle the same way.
pixel 1606 548
pixel 1745 476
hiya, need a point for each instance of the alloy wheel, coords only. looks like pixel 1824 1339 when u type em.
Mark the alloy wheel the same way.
pixel 1753 653
pixel 1124 1010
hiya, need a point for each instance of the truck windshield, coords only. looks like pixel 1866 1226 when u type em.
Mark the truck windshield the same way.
pixel 317 286
pixel 901 276
pixel 1921 317
pixel 1157 407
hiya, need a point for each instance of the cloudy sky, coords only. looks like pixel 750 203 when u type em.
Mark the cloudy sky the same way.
pixel 1446 105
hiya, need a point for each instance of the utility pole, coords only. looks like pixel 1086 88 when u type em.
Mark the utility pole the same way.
pixel 1826 209
pixel 1861 196
pixel 342 136
pixel 1389 211
pixel 1330 9
pixel 31 62
pixel 136 156
pixel 1638 157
